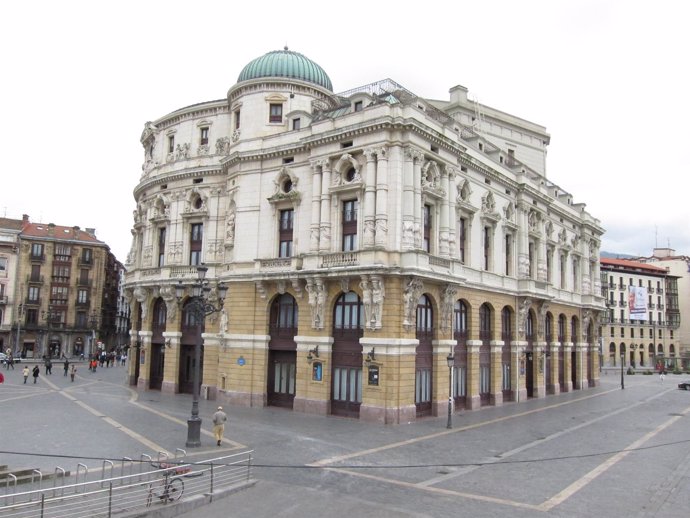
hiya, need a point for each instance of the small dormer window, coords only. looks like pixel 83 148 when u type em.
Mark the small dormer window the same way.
pixel 296 123
pixel 359 106
pixel 276 113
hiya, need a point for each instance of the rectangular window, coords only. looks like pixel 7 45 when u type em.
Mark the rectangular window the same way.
pixel 237 119
pixel 276 113
pixel 563 267
pixel 296 123
pixel 82 296
pixel 31 316
pixel 62 253
pixel 285 232
pixel 462 231
pixel 506 377
pixel 83 277
pixel 171 144
pixel 37 251
pixel 81 320
pixel 487 248
pixel 34 293
pixel 203 136
pixel 3 264
pixel 549 265
pixel 532 259
pixel 427 229
pixel 359 106
pixel 161 247
pixel 196 236
pixel 350 208
pixel 58 294
pixel 86 256
pixel 460 382
pixel 509 254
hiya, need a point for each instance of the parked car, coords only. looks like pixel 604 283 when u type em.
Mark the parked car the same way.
pixel 685 385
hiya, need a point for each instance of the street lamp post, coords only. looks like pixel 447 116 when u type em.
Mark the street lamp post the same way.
pixel 94 324
pixel 622 362
pixel 451 363
pixel 199 307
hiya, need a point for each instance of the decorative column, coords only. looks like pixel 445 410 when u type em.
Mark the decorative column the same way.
pixel 473 399
pixel 408 200
pixel 369 199
pixel 567 367
pixel 315 206
pixel 445 224
pixel 382 197
pixel 452 198
pixel 418 223
pixel 497 372
pixel 325 224
pixel 522 240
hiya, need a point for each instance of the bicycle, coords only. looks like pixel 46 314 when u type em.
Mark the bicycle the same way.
pixel 170 488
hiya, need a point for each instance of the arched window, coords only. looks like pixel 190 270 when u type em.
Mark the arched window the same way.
pixel 561 328
pixel 425 315
pixel 348 312
pixel 485 322
pixel 548 328
pixel 506 324
pixel 284 314
pixel 529 326
pixel 460 320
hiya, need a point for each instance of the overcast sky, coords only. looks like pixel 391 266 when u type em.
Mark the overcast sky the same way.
pixel 608 79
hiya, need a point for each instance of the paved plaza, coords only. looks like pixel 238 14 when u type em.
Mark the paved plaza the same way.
pixel 599 452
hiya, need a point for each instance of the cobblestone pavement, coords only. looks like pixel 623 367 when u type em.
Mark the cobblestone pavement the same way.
pixel 598 452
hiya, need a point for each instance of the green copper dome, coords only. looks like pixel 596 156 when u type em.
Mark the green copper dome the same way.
pixel 286 63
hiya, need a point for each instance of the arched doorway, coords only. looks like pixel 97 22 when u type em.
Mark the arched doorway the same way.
pixel 346 390
pixel 460 330
pixel 485 333
pixel 561 351
pixel 548 336
pixel 612 355
pixel 507 337
pixel 191 329
pixel 282 351
pixel 157 345
pixel 529 350
pixel 574 338
pixel 424 360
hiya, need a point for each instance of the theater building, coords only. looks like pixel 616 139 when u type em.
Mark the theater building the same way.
pixel 382 251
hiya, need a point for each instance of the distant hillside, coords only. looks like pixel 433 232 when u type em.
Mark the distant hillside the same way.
pixel 611 255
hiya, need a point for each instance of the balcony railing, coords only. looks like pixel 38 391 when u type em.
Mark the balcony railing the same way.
pixel 340 259
pixel 3 299
pixel 35 279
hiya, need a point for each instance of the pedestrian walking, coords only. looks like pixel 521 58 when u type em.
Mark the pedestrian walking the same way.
pixel 73 372
pixel 66 365
pixel 2 378
pixel 25 373
pixel 219 419
pixel 662 376
pixel 10 362
pixel 36 371
pixel 49 366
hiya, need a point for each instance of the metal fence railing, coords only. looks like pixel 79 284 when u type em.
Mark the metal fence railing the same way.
pixel 165 482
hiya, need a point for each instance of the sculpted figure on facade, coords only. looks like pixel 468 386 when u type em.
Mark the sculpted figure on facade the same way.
pixel 448 296
pixel 562 237
pixel 541 325
pixel 488 203
pixel 142 295
pixel 182 151
pixel 366 300
pixel 523 311
pixel 549 229
pixel 317 301
pixel 369 232
pixel 378 294
pixel 413 290
pixel 230 226
pixel 408 235
pixel 222 146
pixel 223 326
pixel 523 265
pixel 167 293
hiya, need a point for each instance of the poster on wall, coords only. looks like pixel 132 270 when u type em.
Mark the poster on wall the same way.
pixel 637 302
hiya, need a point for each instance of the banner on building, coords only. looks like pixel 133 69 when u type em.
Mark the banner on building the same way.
pixel 637 302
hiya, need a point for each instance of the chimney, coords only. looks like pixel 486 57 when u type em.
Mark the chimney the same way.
pixel 458 95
